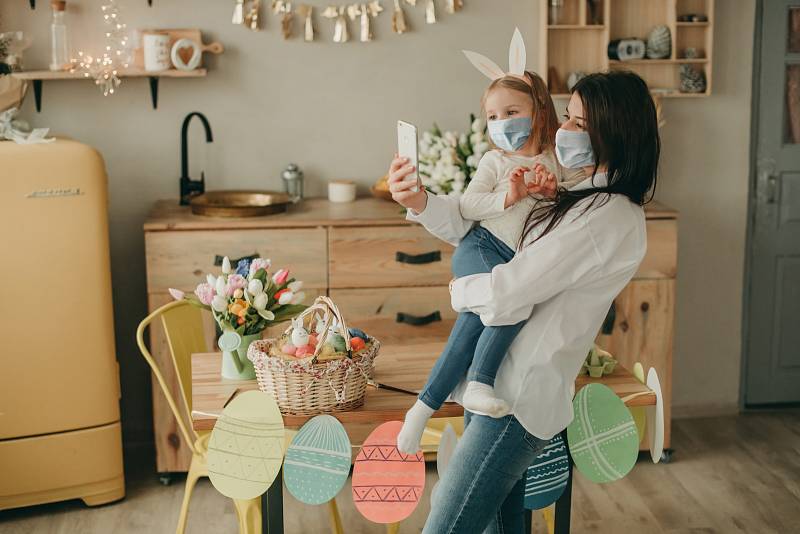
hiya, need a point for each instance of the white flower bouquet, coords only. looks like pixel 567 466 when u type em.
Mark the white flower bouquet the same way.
pixel 447 161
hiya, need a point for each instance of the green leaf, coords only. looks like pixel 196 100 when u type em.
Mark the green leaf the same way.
pixel 288 311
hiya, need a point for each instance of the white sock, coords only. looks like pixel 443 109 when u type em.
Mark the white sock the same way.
pixel 408 440
pixel 480 398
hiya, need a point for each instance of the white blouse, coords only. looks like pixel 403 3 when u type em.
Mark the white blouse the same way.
pixel 563 284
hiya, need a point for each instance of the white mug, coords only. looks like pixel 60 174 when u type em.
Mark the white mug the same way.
pixel 193 62
pixel 156 52
pixel 341 191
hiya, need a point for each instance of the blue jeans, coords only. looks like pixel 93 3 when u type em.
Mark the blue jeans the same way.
pixel 472 349
pixel 483 487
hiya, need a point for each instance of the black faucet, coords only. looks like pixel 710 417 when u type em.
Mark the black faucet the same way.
pixel 189 187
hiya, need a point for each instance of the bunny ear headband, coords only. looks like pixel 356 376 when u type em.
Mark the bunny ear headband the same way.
pixel 516 61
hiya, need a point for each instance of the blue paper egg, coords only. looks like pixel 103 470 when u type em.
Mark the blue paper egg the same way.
pixel 547 476
pixel 317 461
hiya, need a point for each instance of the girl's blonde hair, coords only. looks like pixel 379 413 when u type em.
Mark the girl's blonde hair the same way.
pixel 545 122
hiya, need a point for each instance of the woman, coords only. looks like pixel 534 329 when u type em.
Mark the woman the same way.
pixel 579 250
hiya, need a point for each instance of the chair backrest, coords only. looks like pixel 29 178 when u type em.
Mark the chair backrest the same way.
pixel 183 327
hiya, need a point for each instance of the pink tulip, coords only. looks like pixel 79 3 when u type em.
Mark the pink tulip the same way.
pixel 281 276
pixel 177 294
pixel 205 292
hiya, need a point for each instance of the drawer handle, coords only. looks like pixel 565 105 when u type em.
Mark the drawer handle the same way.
pixel 608 323
pixel 416 259
pixel 416 320
pixel 218 259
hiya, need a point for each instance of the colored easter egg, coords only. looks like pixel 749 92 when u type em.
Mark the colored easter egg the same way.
pixel 312 339
pixel 245 450
pixel 338 343
pixel 357 332
pixel 547 476
pixel 304 350
pixel 387 484
pixel 289 349
pixel 602 436
pixel 357 343
pixel 317 461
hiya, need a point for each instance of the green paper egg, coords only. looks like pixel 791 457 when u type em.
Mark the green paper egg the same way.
pixel 602 436
pixel 317 461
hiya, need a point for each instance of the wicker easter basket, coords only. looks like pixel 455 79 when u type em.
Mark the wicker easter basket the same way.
pixel 308 386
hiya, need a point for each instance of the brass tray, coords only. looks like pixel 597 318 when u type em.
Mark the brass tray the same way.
pixel 232 203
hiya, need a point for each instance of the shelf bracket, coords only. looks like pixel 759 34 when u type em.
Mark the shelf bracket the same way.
pixel 149 2
pixel 154 91
pixel 33 4
pixel 37 94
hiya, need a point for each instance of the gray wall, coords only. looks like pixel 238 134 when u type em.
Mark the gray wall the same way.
pixel 331 108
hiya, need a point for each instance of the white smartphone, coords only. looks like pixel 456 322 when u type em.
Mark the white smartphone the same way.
pixel 407 148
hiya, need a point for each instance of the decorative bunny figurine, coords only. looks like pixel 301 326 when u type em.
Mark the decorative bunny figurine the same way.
pixel 516 60
pixel 299 333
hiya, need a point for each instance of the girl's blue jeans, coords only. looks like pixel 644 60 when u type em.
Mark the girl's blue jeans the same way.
pixel 483 487
pixel 472 349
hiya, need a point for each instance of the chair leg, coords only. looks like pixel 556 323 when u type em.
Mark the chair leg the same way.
pixel 392 528
pixel 336 521
pixel 249 513
pixel 549 518
pixel 191 480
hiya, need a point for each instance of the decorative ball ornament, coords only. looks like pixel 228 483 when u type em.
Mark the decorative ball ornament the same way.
pixel 692 79
pixel 659 43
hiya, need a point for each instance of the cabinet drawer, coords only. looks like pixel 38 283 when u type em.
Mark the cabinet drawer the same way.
pixel 182 259
pixel 388 256
pixel 661 259
pixel 398 314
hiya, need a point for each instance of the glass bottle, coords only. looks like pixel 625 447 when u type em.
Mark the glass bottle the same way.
pixel 293 181
pixel 59 57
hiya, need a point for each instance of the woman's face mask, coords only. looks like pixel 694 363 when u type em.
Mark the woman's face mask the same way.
pixel 574 149
pixel 510 134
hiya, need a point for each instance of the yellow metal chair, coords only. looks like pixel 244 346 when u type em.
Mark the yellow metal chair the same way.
pixel 183 327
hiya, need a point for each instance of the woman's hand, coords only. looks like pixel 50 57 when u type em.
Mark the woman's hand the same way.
pixel 543 182
pixel 401 188
pixel 517 190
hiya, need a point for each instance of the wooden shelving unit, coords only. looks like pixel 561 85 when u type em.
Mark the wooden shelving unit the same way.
pixel 579 40
pixel 38 77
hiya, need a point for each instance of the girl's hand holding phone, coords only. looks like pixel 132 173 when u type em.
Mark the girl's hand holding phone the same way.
pixel 400 187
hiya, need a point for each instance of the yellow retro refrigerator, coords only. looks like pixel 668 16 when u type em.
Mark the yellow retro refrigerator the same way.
pixel 60 432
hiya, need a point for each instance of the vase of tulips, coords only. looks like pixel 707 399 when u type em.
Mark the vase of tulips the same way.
pixel 244 301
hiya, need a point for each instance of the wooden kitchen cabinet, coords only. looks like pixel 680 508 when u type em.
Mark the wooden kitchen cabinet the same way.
pixel 388 276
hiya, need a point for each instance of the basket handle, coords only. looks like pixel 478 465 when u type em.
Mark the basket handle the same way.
pixel 331 311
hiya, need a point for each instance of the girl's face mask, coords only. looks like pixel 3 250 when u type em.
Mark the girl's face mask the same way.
pixel 510 134
pixel 574 149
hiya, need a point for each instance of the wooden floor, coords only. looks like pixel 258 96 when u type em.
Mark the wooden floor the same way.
pixel 728 475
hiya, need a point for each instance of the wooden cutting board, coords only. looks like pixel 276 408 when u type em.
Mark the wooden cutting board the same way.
pixel 174 35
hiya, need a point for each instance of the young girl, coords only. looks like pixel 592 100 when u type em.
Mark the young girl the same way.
pixel 522 124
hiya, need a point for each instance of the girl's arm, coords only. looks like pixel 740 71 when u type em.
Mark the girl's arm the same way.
pixel 480 201
pixel 558 261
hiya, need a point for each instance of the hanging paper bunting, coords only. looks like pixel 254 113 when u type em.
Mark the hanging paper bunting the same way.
pixel 547 476
pixel 454 5
pixel 365 11
pixel 340 33
pixel 252 17
pixel 398 19
pixel 245 450
pixel 447 445
pixel 430 12
pixel 306 12
pixel 283 8
pixel 317 461
pixel 387 484
pixel 655 418
pixel 602 436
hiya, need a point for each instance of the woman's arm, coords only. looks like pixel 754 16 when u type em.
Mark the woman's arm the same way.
pixel 442 218
pixel 557 261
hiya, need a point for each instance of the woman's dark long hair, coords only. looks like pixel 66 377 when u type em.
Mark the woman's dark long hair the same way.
pixel 620 117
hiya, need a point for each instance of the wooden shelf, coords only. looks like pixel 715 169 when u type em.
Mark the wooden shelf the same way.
pixel 40 76
pixel 678 61
pixel 571 48
pixel 576 27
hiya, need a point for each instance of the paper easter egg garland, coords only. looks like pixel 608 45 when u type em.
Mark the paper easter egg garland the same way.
pixel 655 418
pixel 245 450
pixel 387 484
pixel 317 461
pixel 547 476
pixel 602 436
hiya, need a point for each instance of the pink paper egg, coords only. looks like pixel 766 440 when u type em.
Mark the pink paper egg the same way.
pixel 387 484
pixel 304 350
pixel 288 348
pixel 312 340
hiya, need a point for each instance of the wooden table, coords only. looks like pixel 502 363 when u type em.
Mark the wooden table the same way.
pixel 403 366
